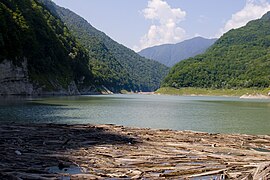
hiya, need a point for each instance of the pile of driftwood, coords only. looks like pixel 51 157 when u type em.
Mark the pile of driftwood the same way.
pixel 49 151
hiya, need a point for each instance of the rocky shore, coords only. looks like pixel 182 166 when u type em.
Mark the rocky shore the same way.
pixel 255 96
pixel 49 151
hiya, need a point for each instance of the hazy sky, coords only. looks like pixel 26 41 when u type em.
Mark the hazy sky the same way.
pixel 142 23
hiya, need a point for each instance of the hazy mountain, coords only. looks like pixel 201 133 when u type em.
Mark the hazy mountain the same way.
pixel 114 65
pixel 240 58
pixel 170 54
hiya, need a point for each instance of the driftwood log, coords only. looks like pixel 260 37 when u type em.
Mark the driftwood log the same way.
pixel 50 151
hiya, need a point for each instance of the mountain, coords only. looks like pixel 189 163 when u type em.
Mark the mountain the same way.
pixel 239 59
pixel 170 54
pixel 114 65
pixel 38 54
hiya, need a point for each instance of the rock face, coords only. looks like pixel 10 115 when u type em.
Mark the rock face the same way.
pixel 14 80
pixel 72 89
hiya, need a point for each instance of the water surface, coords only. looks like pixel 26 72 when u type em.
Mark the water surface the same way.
pixel 209 114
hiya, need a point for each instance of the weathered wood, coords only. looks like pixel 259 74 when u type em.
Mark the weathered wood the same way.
pixel 220 171
pixel 110 151
pixel 262 170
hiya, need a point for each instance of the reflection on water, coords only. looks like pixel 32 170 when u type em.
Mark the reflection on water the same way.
pixel 211 114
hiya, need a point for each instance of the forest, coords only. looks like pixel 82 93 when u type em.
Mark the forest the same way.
pixel 239 59
pixel 28 30
pixel 114 65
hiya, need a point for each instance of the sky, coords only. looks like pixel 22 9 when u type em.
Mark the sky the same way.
pixel 139 24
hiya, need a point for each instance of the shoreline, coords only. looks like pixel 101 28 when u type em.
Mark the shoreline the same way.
pixel 162 91
pixel 240 93
pixel 111 151
pixel 258 97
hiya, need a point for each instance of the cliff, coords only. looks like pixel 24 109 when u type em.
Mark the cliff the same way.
pixel 14 80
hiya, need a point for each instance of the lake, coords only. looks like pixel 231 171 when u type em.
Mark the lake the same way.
pixel 208 114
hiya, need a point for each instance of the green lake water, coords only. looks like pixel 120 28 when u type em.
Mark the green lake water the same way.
pixel 209 114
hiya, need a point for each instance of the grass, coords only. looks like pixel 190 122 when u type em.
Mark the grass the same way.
pixel 211 92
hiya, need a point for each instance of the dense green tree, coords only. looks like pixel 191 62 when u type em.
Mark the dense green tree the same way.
pixel 114 65
pixel 239 59
pixel 28 30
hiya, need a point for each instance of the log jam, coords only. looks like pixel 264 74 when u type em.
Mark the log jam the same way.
pixel 51 151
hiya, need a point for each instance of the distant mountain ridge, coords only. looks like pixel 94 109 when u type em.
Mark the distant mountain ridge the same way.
pixel 239 59
pixel 114 65
pixel 170 54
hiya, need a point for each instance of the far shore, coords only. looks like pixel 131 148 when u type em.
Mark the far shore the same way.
pixel 241 93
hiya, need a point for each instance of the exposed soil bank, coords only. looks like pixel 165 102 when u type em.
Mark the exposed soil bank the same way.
pixel 244 93
pixel 256 96
pixel 52 151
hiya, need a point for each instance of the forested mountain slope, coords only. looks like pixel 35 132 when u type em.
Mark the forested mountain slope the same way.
pixel 239 59
pixel 113 64
pixel 170 54
pixel 38 53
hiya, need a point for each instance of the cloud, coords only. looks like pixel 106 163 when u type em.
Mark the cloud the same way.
pixel 165 24
pixel 202 19
pixel 254 9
